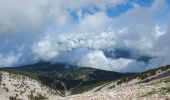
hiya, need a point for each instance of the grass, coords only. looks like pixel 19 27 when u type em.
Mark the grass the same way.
pixel 88 85
pixel 143 75
pixel 166 80
pixel 150 93
pixel 162 90
pixel 165 90
pixel 102 86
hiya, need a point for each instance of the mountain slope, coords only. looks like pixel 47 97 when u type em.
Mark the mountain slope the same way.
pixel 15 87
pixel 149 85
pixel 31 82
pixel 64 78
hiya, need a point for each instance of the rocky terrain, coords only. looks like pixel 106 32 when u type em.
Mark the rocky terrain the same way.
pixel 158 88
pixel 146 91
pixel 18 87
pixel 66 79
pixel 153 84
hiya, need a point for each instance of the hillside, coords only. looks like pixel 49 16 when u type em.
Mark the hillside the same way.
pixel 150 85
pixel 75 83
pixel 66 79
pixel 19 87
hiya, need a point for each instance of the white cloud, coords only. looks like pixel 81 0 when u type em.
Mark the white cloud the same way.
pixel 97 59
pixel 50 46
pixel 142 16
pixel 84 40
pixel 19 15
pixel 96 22
pixel 144 41
pixel 22 15
pixel 94 59
pixel 9 59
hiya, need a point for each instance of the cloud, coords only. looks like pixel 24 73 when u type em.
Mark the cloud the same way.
pixel 17 16
pixel 96 22
pixel 139 15
pixel 8 60
pixel 94 59
pixel 142 40
pixel 51 46
pixel 79 32
pixel 160 49
pixel 20 16
pixel 97 59
pixel 100 4
pixel 87 49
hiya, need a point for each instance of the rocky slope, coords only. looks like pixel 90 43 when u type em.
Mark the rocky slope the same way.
pixel 149 85
pixel 155 90
pixel 153 87
pixel 66 79
pixel 18 87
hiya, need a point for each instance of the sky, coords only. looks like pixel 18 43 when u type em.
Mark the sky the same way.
pixel 116 35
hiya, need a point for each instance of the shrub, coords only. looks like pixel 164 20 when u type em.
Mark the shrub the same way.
pixel 13 98
pixel 38 97
pixel 0 77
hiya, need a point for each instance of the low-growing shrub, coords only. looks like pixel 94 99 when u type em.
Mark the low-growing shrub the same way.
pixel 0 77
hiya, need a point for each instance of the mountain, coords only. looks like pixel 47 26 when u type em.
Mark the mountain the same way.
pixel 59 81
pixel 149 85
pixel 64 78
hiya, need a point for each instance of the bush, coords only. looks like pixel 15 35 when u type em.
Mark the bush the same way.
pixel 38 97
pixel 0 77
pixel 13 98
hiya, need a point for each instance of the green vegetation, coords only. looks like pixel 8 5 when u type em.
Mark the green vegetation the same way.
pixel 18 72
pixel 0 77
pixel 151 93
pixel 7 90
pixel 113 86
pixel 142 75
pixel 87 85
pixel 102 86
pixel 13 98
pixel 77 86
pixel 38 97
pixel 166 80
pixel 162 90
pixel 76 79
